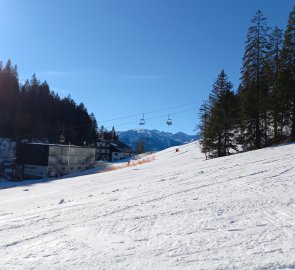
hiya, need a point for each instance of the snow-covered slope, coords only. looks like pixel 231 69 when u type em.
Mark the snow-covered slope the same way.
pixel 154 140
pixel 177 212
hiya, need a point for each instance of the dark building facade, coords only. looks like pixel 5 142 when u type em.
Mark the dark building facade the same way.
pixel 112 150
pixel 49 160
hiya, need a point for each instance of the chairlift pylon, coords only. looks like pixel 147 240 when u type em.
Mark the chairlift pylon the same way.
pixel 142 121
pixel 169 121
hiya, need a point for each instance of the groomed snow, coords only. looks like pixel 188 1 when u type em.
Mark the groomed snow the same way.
pixel 177 212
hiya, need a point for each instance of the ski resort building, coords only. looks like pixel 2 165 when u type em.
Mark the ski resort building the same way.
pixel 112 150
pixel 50 160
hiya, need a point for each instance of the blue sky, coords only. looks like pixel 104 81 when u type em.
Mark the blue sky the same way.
pixel 124 58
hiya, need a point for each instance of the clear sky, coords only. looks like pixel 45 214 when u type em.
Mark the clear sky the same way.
pixel 123 58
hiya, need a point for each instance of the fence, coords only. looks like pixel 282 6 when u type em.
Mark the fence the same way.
pixel 129 164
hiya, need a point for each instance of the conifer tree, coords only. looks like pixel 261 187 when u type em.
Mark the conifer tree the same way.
pixel 253 89
pixel 218 126
pixel 273 71
pixel 9 100
pixel 203 127
pixel 287 76
pixel 113 134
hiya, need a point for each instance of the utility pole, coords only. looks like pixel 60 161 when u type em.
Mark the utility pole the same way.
pixel 69 151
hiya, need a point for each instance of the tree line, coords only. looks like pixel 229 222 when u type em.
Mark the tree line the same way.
pixel 34 113
pixel 262 110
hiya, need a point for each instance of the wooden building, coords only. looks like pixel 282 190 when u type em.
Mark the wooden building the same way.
pixel 50 160
pixel 112 150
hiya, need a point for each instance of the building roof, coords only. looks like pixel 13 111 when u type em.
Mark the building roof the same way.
pixel 120 146
pixel 60 145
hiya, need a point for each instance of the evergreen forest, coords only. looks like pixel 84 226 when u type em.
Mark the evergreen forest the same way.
pixel 261 112
pixel 32 112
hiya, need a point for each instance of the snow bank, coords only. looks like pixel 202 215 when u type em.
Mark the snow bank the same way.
pixel 177 212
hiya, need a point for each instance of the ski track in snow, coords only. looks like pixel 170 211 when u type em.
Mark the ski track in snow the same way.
pixel 177 212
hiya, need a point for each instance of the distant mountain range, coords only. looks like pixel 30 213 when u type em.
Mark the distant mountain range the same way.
pixel 154 140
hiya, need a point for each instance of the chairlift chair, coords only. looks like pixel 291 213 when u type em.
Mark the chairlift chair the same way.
pixel 142 121
pixel 169 121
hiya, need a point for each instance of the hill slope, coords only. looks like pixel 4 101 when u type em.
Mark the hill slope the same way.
pixel 177 212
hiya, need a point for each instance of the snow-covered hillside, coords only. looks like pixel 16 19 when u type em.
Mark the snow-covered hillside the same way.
pixel 154 140
pixel 177 212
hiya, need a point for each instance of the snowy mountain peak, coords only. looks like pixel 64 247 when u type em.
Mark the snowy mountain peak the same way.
pixel 154 140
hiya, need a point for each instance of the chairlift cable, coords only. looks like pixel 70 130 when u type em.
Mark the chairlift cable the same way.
pixel 115 119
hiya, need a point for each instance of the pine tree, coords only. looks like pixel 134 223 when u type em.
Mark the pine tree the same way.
pixel 94 128
pixel 273 71
pixel 253 89
pixel 219 118
pixel 102 130
pixel 203 127
pixel 114 135
pixel 287 76
pixel 9 100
